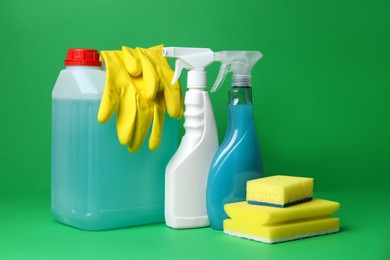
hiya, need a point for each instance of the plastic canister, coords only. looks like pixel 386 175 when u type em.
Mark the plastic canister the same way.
pixel 96 183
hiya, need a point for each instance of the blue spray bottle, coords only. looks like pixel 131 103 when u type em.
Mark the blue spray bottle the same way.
pixel 238 159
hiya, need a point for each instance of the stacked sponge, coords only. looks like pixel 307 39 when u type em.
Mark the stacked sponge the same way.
pixel 280 208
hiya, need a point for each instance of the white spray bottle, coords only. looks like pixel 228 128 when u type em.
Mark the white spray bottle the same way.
pixel 186 173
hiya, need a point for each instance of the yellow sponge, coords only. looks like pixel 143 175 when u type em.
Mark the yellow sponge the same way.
pixel 282 232
pixel 264 215
pixel 279 190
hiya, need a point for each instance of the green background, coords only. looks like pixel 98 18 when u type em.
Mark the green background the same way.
pixel 321 100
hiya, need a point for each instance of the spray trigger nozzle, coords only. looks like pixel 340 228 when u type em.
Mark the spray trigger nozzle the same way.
pixel 238 62
pixel 179 66
pixel 223 71
pixel 193 59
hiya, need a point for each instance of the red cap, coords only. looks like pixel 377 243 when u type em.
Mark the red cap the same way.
pixel 82 57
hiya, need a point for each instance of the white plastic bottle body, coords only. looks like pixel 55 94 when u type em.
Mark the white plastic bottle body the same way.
pixel 187 171
pixel 96 183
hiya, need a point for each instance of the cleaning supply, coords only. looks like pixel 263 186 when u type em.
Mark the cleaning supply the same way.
pixel 283 231
pixel 186 173
pixel 95 182
pixel 138 89
pixel 270 224
pixel 279 191
pixel 267 215
pixel 238 159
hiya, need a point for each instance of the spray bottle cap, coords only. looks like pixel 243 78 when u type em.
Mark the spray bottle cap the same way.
pixel 195 60
pixel 238 62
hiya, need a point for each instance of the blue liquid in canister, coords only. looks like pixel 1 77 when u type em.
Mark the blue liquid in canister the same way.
pixel 96 183
pixel 237 160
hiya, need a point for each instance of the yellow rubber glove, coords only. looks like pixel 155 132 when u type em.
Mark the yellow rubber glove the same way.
pixel 145 111
pixel 156 75
pixel 172 93
pixel 158 121
pixel 138 65
pixel 119 96
pixel 138 88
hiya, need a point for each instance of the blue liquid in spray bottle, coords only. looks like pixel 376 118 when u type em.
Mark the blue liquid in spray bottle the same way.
pixel 238 159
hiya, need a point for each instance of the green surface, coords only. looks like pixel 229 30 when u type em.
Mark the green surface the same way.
pixel 31 232
pixel 321 100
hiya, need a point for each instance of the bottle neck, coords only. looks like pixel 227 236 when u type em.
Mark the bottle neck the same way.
pixel 240 112
pixel 196 79
pixel 240 96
